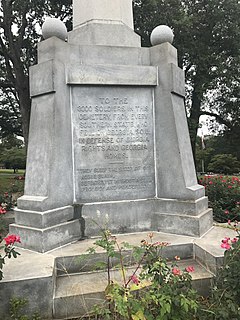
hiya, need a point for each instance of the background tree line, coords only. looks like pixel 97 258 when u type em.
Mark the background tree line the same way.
pixel 207 34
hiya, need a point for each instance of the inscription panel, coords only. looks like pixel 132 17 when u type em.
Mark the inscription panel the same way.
pixel 112 143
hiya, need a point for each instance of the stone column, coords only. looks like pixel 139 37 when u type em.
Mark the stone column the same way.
pixel 182 206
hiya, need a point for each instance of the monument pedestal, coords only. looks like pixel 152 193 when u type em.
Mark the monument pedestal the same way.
pixel 108 133
pixel 108 147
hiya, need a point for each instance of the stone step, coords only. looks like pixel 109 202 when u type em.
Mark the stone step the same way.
pixel 88 262
pixel 208 251
pixel 76 294
pixel 77 260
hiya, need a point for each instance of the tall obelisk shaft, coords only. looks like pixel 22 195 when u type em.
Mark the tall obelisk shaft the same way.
pixel 102 11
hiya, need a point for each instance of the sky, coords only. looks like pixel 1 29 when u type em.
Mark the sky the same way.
pixel 203 131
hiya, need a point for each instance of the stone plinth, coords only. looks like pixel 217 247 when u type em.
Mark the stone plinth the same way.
pixel 108 133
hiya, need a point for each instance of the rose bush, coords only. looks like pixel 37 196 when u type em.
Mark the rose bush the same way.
pixel 156 288
pixel 224 301
pixel 7 250
pixel 224 196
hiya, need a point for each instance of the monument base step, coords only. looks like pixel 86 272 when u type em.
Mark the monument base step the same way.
pixel 188 225
pixel 43 240
pixel 40 278
pixel 76 294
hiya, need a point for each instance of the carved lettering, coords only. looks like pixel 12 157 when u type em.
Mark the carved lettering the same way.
pixel 113 143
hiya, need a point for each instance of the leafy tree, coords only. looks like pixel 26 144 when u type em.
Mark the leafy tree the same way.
pixel 12 153
pixel 10 116
pixel 207 37
pixel 224 163
pixel 204 154
pixel 20 22
pixel 10 141
pixel 227 143
pixel 14 158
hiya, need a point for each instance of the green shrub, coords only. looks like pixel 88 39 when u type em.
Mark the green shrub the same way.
pixel 224 196
pixel 17 306
pixel 224 163
pixel 224 302
pixel 154 290
pixel 14 158
pixel 11 193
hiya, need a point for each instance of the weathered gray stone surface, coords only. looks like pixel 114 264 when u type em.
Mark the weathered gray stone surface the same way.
pixel 121 75
pixel 103 22
pixel 113 143
pixel 36 277
pixel 108 132
pixel 46 239
pixel 108 147
pixel 77 294
pixel 44 219
pixel 104 34
pixel 53 27
pixel 161 34
pixel 102 10
pixel 30 276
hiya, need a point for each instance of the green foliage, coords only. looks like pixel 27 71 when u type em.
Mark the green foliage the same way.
pixel 17 306
pixel 6 201
pixel 3 226
pixel 10 116
pixel 223 144
pixel 10 141
pixel 223 195
pixel 8 250
pixel 159 290
pixel 202 158
pixel 206 36
pixel 154 290
pixel 20 25
pixel 10 185
pixel 14 158
pixel 224 163
pixel 226 142
pixel 224 302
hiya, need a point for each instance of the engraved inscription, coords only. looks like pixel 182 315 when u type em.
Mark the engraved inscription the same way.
pixel 113 143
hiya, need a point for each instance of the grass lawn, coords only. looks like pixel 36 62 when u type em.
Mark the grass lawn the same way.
pixel 7 181
pixel 11 171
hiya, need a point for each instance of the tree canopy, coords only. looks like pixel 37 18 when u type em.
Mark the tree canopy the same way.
pixel 207 34
pixel 225 164
pixel 20 22
pixel 12 153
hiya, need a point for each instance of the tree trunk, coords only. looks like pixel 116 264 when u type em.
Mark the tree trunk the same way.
pixel 25 108
pixel 14 65
pixel 194 118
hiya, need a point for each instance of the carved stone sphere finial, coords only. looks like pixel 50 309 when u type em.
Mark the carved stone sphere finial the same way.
pixel 53 27
pixel 161 34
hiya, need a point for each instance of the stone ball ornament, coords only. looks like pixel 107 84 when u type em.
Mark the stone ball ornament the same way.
pixel 161 34
pixel 53 27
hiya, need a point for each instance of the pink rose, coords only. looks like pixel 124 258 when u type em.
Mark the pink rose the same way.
pixel 176 271
pixel 190 269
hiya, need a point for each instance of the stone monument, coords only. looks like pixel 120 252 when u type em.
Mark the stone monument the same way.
pixel 108 132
